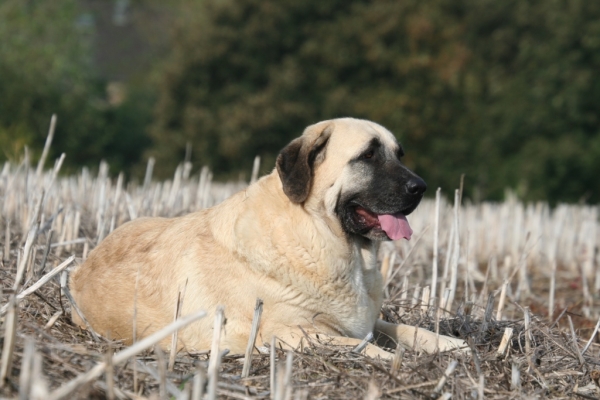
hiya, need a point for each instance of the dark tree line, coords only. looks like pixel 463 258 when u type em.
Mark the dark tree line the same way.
pixel 505 92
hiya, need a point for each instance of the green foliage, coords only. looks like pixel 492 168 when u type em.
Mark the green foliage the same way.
pixel 502 91
pixel 46 67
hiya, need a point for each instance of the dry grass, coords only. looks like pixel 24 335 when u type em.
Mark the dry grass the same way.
pixel 543 263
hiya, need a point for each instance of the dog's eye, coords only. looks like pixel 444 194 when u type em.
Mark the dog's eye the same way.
pixel 368 155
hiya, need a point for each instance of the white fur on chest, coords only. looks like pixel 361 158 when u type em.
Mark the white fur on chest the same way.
pixel 361 311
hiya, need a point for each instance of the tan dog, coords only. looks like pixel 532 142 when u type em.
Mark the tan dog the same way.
pixel 304 239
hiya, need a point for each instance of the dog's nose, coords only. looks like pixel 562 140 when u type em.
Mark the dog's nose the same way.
pixel 416 186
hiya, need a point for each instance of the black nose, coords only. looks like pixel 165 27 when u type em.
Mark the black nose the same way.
pixel 416 186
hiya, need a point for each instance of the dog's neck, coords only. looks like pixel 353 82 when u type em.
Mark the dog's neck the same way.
pixel 286 222
pixel 368 252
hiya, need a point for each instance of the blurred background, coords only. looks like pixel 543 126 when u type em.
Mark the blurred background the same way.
pixel 506 92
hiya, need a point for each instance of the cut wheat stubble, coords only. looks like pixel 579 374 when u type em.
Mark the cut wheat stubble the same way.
pixel 488 233
pixel 122 356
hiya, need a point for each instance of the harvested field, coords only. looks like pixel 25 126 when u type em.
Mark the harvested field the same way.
pixel 520 282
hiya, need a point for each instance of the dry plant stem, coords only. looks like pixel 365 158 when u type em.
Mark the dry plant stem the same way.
pixel 198 389
pixel 252 339
pixel 113 218
pixel 410 387
pixel 449 371
pixel 508 332
pixel 373 392
pixel 40 166
pixel 552 289
pixel 489 309
pixel 515 377
pixel 589 301
pixel 475 356
pixel 31 236
pixel 403 292
pixel 445 301
pixel 523 284
pixel 46 252
pixel 280 385
pixel 148 176
pixel 393 255
pixel 361 346
pixel 558 318
pixel 122 356
pixel 10 333
pixel 215 356
pixel 25 381
pixel 425 299
pixel 272 368
pixel 6 254
pixel 484 289
pixel 527 333
pixel 461 188
pixel 178 307
pixel 109 374
pixel 437 327
pixel 255 168
pixel 132 212
pixel 589 343
pixel 154 373
pixel 574 342
pixel 449 249
pixel 397 360
pixel 53 320
pixel 436 235
pixel 455 254
pixel 57 165
pixel 502 300
pixel 385 271
pixel 416 294
pixel 162 372
pixel 289 362
pixel 134 328
pixel 117 393
pixel 39 387
pixel 43 280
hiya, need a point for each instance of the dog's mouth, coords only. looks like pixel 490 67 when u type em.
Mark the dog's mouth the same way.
pixel 395 226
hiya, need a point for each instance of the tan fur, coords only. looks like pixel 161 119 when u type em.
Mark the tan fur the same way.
pixel 256 244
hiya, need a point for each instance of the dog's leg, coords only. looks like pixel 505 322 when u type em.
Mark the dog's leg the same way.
pixel 421 338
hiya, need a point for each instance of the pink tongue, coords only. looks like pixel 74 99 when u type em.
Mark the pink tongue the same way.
pixel 396 226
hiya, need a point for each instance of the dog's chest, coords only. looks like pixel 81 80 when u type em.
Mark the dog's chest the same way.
pixel 358 299
pixel 363 312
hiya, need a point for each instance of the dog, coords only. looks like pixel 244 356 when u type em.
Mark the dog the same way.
pixel 304 239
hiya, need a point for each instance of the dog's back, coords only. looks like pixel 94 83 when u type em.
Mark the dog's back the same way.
pixel 146 263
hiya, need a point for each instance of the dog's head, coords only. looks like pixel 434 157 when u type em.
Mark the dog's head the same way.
pixel 352 169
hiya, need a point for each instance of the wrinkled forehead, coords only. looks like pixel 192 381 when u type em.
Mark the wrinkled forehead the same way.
pixel 354 135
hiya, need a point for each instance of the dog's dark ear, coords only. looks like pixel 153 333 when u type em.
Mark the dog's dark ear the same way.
pixel 296 162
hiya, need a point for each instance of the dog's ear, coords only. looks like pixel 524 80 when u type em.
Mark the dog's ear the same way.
pixel 296 162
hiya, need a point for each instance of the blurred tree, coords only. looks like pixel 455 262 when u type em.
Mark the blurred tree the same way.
pixel 534 96
pixel 46 67
pixel 502 91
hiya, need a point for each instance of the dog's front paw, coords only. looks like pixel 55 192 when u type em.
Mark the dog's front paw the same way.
pixel 430 343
